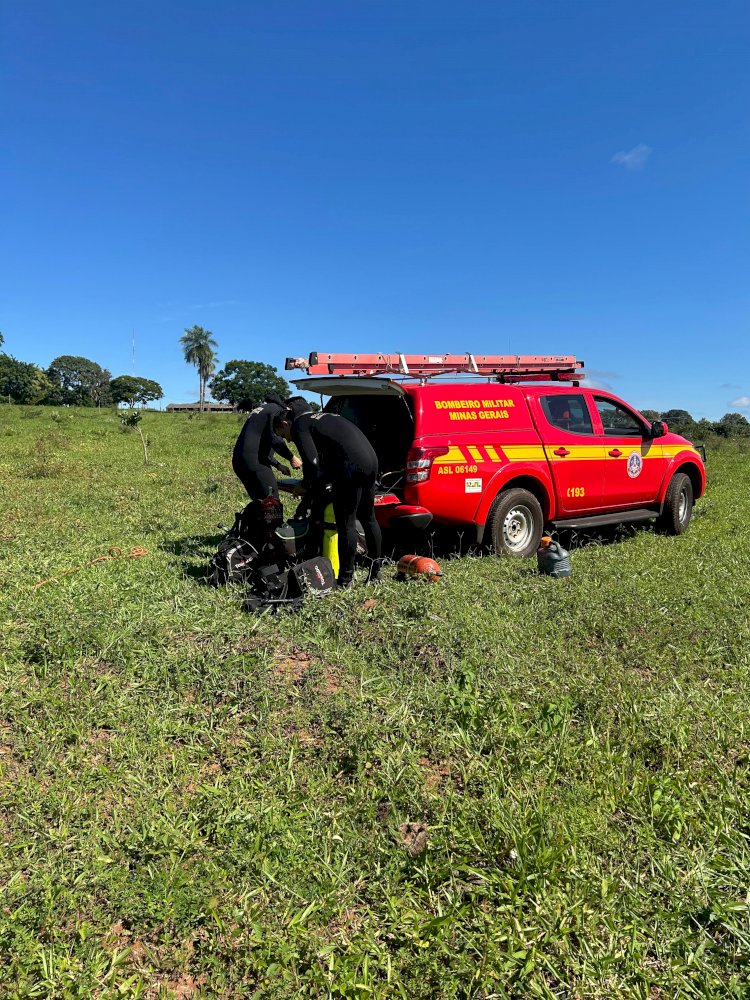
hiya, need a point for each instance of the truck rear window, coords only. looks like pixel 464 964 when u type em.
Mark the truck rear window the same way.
pixel 568 412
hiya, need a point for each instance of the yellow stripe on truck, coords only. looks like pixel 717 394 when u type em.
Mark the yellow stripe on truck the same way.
pixel 650 451
pixel 512 453
pixel 524 452
pixel 671 450
pixel 539 452
pixel 575 452
pixel 454 455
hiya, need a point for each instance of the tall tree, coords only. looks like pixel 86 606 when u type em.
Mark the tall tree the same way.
pixel 79 382
pixel 21 382
pixel 245 384
pixel 702 428
pixel 150 391
pixel 736 424
pixel 131 390
pixel 681 417
pixel 198 348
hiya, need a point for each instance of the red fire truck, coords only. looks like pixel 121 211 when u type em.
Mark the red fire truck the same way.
pixel 507 445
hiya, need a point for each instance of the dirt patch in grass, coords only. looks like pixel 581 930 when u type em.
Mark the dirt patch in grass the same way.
pixel 294 666
pixel 308 739
pixel 432 658
pixel 100 734
pixel 12 770
pixel 434 773
pixel 175 988
pixel 332 680
pixel 291 665
pixel 96 667
pixel 413 837
pixel 345 927
pixel 142 954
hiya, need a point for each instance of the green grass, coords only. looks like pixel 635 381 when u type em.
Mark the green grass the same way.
pixel 194 802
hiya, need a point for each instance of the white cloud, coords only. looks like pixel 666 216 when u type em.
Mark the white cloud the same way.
pixel 742 402
pixel 633 159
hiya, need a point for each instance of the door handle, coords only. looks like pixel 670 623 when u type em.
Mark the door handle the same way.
pixel 615 453
pixel 562 451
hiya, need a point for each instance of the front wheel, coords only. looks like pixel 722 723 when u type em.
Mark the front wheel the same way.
pixel 516 522
pixel 678 505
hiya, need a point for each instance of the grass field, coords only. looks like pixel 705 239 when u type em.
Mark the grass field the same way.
pixel 194 802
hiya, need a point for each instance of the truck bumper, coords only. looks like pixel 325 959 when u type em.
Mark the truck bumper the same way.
pixel 400 515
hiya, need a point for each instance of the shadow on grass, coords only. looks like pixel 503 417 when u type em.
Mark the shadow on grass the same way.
pixel 572 539
pixel 443 542
pixel 192 554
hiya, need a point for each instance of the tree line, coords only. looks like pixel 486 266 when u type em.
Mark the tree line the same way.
pixel 70 380
pixel 681 422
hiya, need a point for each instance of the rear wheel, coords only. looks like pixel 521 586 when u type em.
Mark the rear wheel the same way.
pixel 678 505
pixel 515 523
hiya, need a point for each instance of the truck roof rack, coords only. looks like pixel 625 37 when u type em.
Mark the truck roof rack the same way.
pixel 504 367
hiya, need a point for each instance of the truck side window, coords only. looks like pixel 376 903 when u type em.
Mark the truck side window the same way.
pixel 569 413
pixel 617 421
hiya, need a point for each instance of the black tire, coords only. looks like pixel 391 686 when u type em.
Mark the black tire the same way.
pixel 678 505
pixel 515 524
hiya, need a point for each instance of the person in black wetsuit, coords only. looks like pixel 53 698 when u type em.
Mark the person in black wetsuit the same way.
pixel 336 452
pixel 253 452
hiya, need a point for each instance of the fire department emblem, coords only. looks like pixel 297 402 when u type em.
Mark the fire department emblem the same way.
pixel 635 464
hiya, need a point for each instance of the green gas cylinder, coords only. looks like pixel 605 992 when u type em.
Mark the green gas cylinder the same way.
pixel 331 538
pixel 552 559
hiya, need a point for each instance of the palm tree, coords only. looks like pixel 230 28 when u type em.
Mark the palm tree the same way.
pixel 198 348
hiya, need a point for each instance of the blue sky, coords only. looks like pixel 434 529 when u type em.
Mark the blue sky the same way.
pixel 533 177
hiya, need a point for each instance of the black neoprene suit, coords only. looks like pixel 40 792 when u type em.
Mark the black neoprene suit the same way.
pixel 252 456
pixel 334 451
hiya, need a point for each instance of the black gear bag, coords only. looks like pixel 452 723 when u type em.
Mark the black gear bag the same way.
pixel 271 589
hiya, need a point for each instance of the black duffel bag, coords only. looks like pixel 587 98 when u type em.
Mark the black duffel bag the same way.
pixel 233 562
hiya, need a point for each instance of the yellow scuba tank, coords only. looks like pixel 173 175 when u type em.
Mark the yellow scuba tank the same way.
pixel 331 538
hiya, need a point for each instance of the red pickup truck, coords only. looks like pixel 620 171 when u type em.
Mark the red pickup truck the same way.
pixel 502 452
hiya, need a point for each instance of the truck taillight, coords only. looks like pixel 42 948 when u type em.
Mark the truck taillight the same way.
pixel 419 463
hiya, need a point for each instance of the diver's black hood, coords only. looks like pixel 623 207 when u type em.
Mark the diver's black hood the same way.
pixel 297 406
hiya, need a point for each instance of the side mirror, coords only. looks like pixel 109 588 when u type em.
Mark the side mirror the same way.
pixel 658 428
